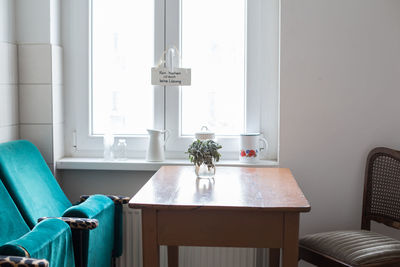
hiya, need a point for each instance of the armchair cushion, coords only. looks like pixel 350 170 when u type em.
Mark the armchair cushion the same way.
pixel 50 239
pixel 353 247
pixel 12 224
pixel 30 182
pixel 13 261
pixel 101 239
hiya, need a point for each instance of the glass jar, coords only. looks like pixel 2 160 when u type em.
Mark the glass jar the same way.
pixel 121 150
pixel 204 134
pixel 204 172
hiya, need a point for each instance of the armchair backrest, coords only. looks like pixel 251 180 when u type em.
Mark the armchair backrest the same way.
pixel 30 182
pixel 382 188
pixel 12 224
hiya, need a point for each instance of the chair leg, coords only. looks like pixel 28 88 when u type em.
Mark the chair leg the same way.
pixel 274 257
pixel 173 256
pixel 77 237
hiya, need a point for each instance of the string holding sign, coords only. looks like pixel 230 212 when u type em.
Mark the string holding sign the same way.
pixel 171 74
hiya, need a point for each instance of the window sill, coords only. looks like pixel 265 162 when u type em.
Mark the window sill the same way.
pixel 142 164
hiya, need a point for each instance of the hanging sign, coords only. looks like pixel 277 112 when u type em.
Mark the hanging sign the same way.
pixel 171 74
pixel 166 77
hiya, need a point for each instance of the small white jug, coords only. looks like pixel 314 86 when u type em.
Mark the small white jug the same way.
pixel 155 150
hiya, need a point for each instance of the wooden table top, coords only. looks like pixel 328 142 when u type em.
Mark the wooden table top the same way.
pixel 176 187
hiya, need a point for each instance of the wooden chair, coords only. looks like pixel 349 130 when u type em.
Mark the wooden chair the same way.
pixel 381 203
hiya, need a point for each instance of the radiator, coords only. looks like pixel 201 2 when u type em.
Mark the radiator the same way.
pixel 188 256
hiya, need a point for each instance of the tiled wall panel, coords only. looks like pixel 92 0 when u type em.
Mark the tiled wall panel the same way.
pixel 4 68
pixel 7 21
pixel 40 76
pixel 9 133
pixel 9 118
pixel 31 84
pixel 41 103
pixel 8 105
pixel 42 136
pixel 35 64
pixel 35 103
pixel 33 21
pixel 58 141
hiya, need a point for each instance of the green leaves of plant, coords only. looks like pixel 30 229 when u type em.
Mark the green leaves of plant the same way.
pixel 204 151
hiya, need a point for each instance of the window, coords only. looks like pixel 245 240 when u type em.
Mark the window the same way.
pixel 230 45
pixel 122 54
pixel 215 49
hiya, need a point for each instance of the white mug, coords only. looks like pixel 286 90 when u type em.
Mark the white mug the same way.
pixel 250 147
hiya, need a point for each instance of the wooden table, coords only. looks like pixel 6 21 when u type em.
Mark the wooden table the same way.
pixel 241 207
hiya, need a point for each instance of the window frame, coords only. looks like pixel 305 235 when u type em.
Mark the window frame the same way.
pixel 259 117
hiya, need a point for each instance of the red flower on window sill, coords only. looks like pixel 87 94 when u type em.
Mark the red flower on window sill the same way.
pixel 252 153
pixel 248 153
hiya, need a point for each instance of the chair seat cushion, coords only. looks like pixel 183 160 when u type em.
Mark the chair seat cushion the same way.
pixel 354 247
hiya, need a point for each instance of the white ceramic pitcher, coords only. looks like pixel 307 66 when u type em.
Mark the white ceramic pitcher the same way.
pixel 155 150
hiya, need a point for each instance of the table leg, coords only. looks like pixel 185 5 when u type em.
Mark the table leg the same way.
pixel 274 257
pixel 290 250
pixel 173 256
pixel 151 253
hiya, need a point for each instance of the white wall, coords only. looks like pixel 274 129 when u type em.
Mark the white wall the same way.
pixel 340 97
pixel 77 183
pixel 8 73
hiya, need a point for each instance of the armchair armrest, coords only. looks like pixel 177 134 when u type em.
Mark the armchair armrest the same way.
pixel 49 239
pixel 76 223
pixel 116 199
pixel 14 261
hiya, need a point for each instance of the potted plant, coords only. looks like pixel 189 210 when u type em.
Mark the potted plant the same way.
pixel 204 153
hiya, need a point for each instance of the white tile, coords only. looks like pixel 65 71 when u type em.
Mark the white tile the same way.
pixel 9 133
pixel 55 24
pixel 4 76
pixel 11 21
pixel 34 63
pixel 3 21
pixel 11 105
pixel 41 136
pixel 8 63
pixel 58 104
pixel 33 21
pixel 12 63
pixel 58 141
pixel 8 105
pixel 35 103
pixel 7 18
pixel 57 64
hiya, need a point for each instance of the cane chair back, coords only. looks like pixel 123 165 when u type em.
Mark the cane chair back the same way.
pixel 382 188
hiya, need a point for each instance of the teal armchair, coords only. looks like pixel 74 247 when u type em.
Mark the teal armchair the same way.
pixel 49 242
pixel 37 194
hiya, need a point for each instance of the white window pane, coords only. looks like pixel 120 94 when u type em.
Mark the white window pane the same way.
pixel 213 45
pixel 122 56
